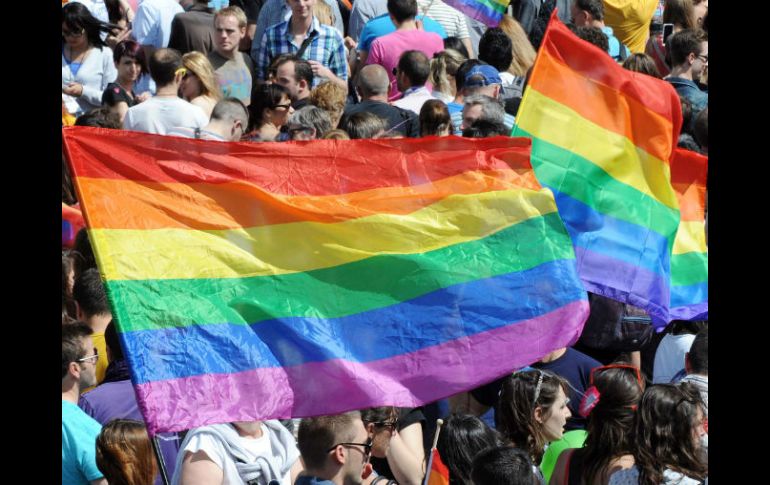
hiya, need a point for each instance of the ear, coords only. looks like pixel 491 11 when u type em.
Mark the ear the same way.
pixel 339 455
pixel 539 414
pixel 74 370
pixel 370 429
pixel 497 91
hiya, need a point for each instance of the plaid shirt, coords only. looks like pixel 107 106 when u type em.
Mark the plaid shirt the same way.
pixel 327 48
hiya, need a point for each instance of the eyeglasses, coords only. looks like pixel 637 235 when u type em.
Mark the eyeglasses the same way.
pixel 67 33
pixel 93 358
pixel 703 58
pixel 181 70
pixel 618 366
pixel 367 447
pixel 300 129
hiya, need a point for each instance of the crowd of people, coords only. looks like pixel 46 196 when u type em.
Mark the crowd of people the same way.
pixel 632 411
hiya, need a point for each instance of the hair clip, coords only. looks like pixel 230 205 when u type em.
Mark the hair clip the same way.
pixel 589 401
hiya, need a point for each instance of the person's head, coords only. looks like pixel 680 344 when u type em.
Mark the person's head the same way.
pixel 610 404
pixel 482 79
pixel 484 129
pixel 701 129
pixel 294 74
pixel 199 80
pixel 336 134
pixel 90 296
pixel 402 10
pixel 701 9
pixel 696 361
pixel 166 67
pixel 381 423
pixel 335 447
pixel 586 12
pixel 454 43
pixel 373 82
pixel 363 125
pixel 495 49
pixel 505 464
pixel 301 9
pixel 412 70
pixel 689 51
pixel 669 427
pixel 80 29
pixel 68 310
pixel 461 438
pixel 114 349
pixel 102 117
pixel 443 68
pixel 595 36
pixel 532 410
pixel 435 119
pixel 129 60
pixel 330 97
pixel 270 103
pixel 230 28
pixel 309 123
pixel 230 117
pixel 78 356
pixel 82 252
pixel 681 13
pixel 481 107
pixel 643 63
pixel 523 52
pixel 124 453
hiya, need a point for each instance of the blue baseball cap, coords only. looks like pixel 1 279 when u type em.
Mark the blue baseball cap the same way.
pixel 482 75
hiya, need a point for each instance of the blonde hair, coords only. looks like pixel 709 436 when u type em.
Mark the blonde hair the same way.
pixel 444 64
pixel 198 64
pixel 233 11
pixel 323 12
pixel 523 52
pixel 331 98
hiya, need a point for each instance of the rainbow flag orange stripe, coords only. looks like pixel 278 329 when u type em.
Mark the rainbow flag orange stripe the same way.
pixel 602 140
pixel 248 279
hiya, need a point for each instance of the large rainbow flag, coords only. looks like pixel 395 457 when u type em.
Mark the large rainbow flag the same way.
pixel 274 280
pixel 489 12
pixel 689 261
pixel 602 140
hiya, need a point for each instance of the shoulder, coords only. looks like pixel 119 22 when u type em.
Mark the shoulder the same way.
pixel 329 31
pixel 629 476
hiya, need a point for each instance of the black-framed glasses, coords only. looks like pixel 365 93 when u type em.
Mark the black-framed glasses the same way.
pixel 367 447
pixel 93 358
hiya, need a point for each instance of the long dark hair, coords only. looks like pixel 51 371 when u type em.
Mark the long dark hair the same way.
pixel 515 410
pixel 611 422
pixel 461 438
pixel 264 96
pixel 663 433
pixel 76 16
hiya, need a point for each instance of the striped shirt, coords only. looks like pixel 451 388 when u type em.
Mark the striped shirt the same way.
pixel 326 47
pixel 452 20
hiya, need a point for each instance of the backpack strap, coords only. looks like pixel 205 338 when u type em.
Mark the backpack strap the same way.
pixel 306 43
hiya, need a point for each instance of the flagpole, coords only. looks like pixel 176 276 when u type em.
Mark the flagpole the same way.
pixel 439 423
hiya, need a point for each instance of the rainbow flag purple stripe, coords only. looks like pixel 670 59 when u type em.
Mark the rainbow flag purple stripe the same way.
pixel 489 12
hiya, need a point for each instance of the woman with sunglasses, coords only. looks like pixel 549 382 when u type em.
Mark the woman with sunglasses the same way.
pixel 270 109
pixel 532 411
pixel 87 65
pixel 199 85
pixel 396 436
pixel 610 405
pixel 670 438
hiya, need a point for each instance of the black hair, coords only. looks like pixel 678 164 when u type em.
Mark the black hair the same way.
pixel 415 65
pixel 594 7
pixel 402 9
pixel 456 44
pixel 113 342
pixel 83 253
pixel 76 16
pixel 684 42
pixel 132 49
pixel 101 117
pixel 595 36
pixel 508 465
pixel 72 335
pixel 464 68
pixel 484 129
pixel 461 438
pixel 699 353
pixel 701 129
pixel 89 292
pixel 496 49
pixel 163 66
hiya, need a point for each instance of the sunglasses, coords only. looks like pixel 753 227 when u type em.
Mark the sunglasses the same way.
pixel 367 447
pixel 93 358
pixel 284 106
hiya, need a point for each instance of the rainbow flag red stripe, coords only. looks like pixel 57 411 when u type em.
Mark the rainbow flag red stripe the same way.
pixel 602 139
pixel 249 279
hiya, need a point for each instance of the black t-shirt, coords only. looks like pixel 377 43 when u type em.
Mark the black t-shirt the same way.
pixel 406 417
pixel 250 7
pixel 114 94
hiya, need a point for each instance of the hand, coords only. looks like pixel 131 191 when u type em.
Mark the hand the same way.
pixel 143 97
pixel 350 43
pixel 73 89
pixel 117 36
pixel 320 70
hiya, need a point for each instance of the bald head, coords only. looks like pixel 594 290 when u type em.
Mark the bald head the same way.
pixel 373 81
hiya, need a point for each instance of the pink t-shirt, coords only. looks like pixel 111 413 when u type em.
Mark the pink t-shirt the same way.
pixel 386 50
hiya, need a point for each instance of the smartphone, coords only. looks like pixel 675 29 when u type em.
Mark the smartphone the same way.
pixel 668 29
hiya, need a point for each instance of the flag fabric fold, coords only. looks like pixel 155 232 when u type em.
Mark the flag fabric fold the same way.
pixel 275 280
pixel 602 140
pixel 488 12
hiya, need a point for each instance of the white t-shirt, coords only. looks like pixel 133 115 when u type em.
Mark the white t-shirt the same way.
pixel 216 452
pixel 669 358
pixel 159 115
pixel 630 476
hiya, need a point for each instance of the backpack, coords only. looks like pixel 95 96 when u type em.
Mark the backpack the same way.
pixel 614 326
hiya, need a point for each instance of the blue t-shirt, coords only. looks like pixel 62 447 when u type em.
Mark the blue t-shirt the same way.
pixel 78 445
pixel 382 25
